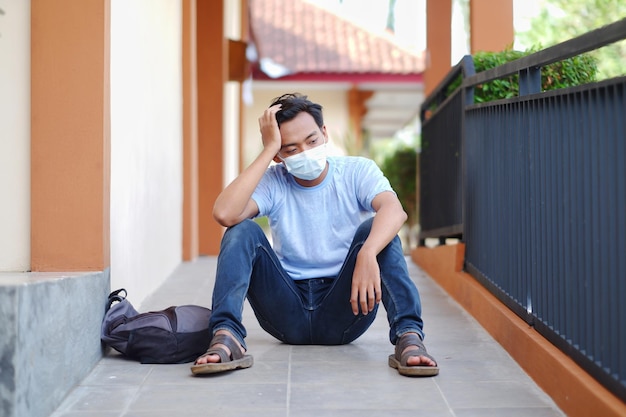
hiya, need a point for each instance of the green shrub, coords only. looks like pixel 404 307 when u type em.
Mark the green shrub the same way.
pixel 581 69
pixel 400 168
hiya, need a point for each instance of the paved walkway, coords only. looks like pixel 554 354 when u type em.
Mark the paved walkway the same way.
pixel 477 377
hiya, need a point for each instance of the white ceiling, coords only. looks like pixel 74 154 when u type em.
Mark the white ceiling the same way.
pixel 389 110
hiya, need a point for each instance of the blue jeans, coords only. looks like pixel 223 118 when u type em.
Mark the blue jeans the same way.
pixel 315 311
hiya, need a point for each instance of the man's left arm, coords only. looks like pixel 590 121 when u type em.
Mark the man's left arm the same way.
pixel 366 286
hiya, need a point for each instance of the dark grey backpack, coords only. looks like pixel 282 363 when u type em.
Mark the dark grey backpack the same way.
pixel 177 334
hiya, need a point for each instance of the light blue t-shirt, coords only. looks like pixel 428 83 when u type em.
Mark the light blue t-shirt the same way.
pixel 313 227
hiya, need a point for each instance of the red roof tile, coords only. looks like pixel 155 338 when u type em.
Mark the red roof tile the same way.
pixel 304 38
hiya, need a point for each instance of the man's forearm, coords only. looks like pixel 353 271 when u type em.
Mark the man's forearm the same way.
pixel 387 223
pixel 230 205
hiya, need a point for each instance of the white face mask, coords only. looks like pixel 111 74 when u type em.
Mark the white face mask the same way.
pixel 307 165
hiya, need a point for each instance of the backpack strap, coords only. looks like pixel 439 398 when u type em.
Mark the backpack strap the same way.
pixel 116 296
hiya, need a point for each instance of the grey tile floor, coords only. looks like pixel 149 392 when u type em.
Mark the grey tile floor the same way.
pixel 477 377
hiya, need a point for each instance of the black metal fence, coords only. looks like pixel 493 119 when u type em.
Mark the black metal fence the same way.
pixel 441 202
pixel 544 202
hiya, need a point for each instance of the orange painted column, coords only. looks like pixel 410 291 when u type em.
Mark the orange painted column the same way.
pixel 245 37
pixel 356 111
pixel 212 55
pixel 70 135
pixel 438 42
pixel 190 132
pixel 491 25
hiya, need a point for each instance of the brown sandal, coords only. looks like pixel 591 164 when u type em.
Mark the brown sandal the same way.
pixel 399 361
pixel 236 360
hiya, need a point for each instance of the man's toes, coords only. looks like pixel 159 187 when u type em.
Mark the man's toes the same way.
pixel 208 359
pixel 213 359
pixel 419 360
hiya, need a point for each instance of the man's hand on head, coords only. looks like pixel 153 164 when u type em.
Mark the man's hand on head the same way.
pixel 270 133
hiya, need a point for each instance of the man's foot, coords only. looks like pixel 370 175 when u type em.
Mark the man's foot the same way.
pixel 215 358
pixel 224 354
pixel 416 359
pixel 411 357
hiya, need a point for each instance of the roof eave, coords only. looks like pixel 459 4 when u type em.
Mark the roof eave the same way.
pixel 370 77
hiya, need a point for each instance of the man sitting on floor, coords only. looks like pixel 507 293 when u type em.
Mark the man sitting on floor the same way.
pixel 335 255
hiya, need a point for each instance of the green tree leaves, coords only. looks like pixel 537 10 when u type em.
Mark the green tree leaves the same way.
pixel 561 20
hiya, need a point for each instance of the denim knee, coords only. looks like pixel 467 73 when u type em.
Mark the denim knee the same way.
pixel 246 228
pixel 246 231
pixel 363 231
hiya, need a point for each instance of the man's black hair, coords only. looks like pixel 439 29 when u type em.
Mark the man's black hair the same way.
pixel 294 103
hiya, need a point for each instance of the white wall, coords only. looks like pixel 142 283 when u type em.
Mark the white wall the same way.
pixel 230 154
pixel 232 94
pixel 15 135
pixel 146 143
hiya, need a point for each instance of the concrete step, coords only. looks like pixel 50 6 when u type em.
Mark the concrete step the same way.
pixel 49 337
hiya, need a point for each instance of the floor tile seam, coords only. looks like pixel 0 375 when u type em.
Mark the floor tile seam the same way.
pixel 137 393
pixel 443 397
pixel 516 381
pixel 511 407
pixel 384 410
pixel 459 380
pixel 289 381
pixel 109 385
pixel 74 406
pixel 340 362
pixel 190 384
pixel 299 388
pixel 132 400
pixel 185 410
pixel 146 376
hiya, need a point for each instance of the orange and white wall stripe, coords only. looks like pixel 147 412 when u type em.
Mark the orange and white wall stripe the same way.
pixel 113 146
